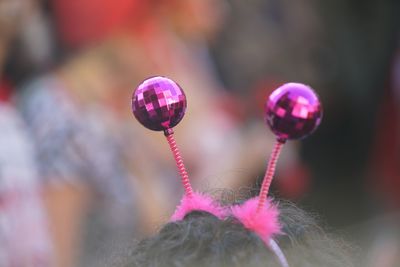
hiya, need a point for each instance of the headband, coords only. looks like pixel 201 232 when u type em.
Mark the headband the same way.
pixel 292 111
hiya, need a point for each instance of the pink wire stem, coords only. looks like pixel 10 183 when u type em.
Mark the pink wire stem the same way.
pixel 269 174
pixel 179 163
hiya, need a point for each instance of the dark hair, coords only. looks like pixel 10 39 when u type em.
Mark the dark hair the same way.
pixel 201 239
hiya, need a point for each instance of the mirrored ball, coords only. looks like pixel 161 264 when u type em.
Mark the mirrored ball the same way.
pixel 159 103
pixel 293 111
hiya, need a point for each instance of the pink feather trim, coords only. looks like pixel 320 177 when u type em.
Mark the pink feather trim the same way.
pixel 198 201
pixel 265 222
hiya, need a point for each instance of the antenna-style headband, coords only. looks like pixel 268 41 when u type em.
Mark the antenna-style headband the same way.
pixel 292 111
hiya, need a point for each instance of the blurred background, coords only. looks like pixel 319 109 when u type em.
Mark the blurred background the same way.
pixel 80 178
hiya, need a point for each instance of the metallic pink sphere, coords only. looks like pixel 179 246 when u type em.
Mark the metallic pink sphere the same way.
pixel 293 111
pixel 159 103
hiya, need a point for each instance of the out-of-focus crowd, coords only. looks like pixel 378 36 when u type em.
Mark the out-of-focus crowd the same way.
pixel 80 179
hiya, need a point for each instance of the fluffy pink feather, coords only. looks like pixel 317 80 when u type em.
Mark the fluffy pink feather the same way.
pixel 265 222
pixel 200 202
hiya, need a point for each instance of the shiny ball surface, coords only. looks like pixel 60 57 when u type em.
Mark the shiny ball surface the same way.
pixel 159 103
pixel 293 111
